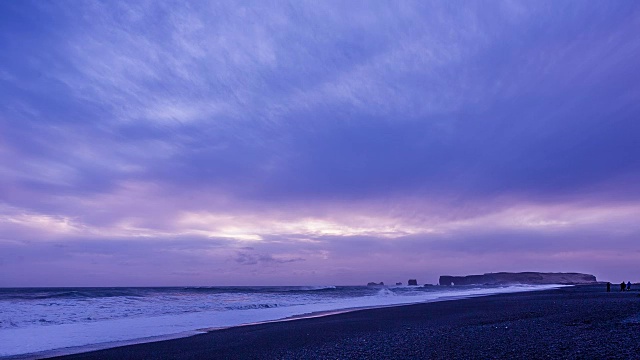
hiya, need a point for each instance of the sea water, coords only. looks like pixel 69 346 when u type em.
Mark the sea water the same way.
pixel 68 320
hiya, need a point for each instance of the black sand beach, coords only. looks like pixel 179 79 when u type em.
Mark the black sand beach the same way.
pixel 582 322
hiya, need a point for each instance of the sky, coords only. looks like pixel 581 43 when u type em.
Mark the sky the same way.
pixel 156 143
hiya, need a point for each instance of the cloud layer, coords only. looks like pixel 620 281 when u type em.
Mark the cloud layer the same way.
pixel 302 143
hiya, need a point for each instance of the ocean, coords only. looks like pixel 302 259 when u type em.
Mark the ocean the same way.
pixel 54 321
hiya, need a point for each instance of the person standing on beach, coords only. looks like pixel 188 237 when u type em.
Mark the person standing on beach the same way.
pixel 608 286
pixel 622 286
pixel 628 285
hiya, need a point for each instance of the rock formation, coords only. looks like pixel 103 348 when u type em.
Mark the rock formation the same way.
pixel 532 278
pixel 375 284
pixel 412 282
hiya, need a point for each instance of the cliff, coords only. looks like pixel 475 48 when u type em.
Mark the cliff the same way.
pixel 531 278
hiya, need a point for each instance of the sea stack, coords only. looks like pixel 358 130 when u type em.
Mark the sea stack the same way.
pixel 412 282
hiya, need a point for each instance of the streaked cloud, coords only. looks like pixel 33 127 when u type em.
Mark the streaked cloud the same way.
pixel 420 137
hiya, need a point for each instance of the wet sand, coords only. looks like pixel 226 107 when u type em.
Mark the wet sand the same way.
pixel 582 322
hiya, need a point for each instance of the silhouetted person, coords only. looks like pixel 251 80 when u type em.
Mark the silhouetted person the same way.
pixel 608 287
pixel 622 286
pixel 628 285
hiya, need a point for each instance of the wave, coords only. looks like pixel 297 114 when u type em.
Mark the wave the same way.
pixel 252 306
pixel 84 293
pixel 385 292
pixel 87 293
pixel 315 288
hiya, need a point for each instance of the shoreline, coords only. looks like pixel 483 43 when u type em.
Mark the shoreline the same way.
pixel 463 293
pixel 559 322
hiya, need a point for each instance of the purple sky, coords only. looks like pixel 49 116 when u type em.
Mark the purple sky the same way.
pixel 158 143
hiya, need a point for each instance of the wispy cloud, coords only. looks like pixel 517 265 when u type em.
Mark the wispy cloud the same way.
pixel 245 258
pixel 402 131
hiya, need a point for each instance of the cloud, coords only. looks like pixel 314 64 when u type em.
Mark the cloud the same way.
pixel 429 98
pixel 245 258
pixel 317 131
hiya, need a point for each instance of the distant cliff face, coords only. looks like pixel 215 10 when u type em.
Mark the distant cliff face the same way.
pixel 533 278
